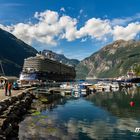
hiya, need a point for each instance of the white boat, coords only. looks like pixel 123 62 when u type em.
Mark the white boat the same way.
pixel 107 86
pixel 114 85
pixel 76 91
pixel 66 86
pixel 101 86
pixel 138 84
pixel 83 88
pixel 76 95
pixel 83 92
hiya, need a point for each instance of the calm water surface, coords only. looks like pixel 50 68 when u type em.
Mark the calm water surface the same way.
pixel 98 116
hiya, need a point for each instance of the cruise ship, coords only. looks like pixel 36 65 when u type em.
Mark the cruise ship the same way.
pixel 44 68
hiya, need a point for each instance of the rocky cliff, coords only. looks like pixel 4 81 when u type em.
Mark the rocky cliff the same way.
pixel 112 60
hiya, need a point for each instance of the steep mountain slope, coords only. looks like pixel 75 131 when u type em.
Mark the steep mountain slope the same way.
pixel 63 59
pixel 112 60
pixel 12 53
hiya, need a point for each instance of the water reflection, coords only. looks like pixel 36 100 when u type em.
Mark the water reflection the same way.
pixel 118 103
pixel 99 116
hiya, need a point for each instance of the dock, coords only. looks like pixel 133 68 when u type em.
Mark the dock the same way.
pixel 13 93
pixel 58 90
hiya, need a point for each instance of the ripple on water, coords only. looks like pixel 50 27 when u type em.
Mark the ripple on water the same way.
pixel 99 116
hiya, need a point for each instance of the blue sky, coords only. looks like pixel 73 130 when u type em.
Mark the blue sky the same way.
pixel 76 28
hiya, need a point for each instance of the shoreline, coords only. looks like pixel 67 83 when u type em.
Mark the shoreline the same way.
pixel 12 111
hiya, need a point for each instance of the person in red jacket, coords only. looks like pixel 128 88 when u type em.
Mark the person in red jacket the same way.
pixel 9 88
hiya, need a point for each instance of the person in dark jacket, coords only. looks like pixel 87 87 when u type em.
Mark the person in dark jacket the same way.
pixel 6 87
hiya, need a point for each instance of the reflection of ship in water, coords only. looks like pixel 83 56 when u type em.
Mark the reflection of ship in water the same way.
pixel 44 67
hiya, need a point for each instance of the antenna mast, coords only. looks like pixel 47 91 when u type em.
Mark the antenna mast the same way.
pixel 2 70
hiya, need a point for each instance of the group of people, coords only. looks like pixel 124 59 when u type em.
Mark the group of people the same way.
pixel 7 88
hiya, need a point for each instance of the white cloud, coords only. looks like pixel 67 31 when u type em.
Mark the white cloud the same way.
pixel 95 28
pixel 62 9
pixel 84 40
pixel 81 11
pixel 126 33
pixel 121 21
pixel 48 30
pixel 126 20
pixel 50 27
pixel 49 17
pixel 69 26
pixel 81 14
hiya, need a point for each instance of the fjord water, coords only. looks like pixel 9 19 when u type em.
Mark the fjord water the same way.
pixel 97 116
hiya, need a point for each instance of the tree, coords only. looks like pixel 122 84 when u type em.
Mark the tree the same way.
pixel 136 69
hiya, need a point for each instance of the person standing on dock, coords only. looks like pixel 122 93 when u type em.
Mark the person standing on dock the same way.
pixel 9 88
pixel 6 87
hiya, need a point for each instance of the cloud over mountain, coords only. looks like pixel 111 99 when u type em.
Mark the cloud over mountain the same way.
pixel 50 27
pixel 126 33
pixel 95 28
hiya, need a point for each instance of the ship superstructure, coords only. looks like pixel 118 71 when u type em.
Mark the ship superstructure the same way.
pixel 44 67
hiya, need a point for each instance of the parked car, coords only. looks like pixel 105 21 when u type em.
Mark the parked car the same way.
pixel 15 86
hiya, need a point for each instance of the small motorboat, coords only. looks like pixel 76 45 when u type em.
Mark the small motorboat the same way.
pixel 75 91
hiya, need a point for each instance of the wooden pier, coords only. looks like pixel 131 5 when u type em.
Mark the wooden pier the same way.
pixel 58 90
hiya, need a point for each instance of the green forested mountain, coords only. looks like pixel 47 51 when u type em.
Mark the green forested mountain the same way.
pixel 12 53
pixel 112 60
